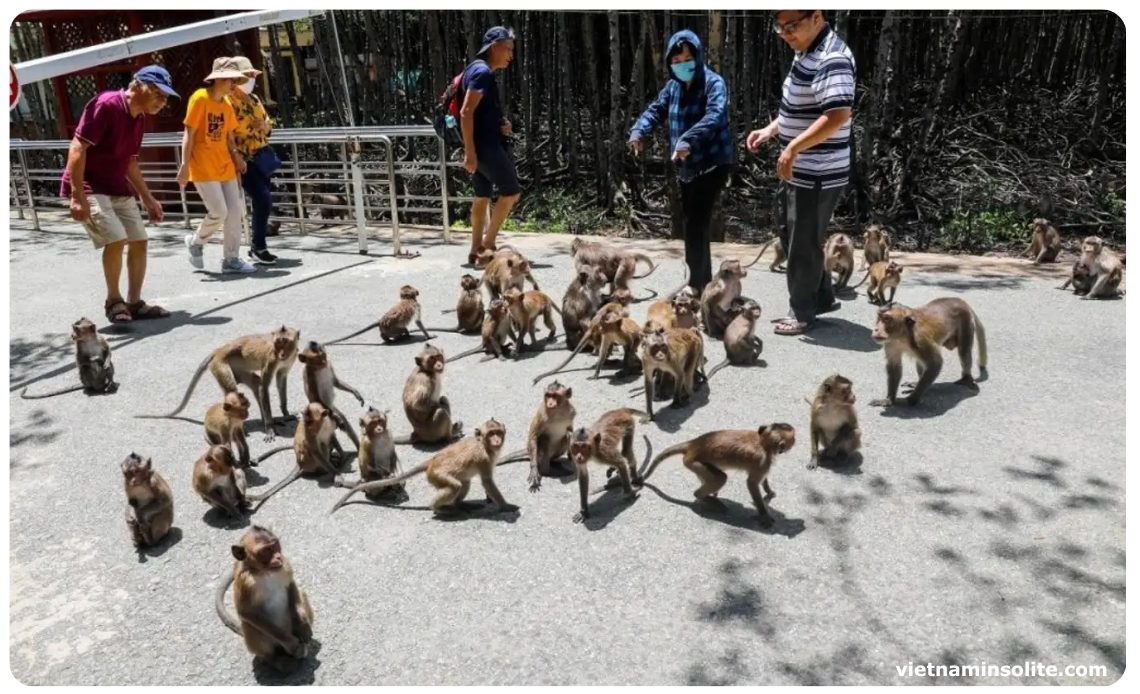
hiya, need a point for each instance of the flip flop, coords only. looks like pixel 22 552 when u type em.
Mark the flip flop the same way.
pixel 792 327
pixel 141 310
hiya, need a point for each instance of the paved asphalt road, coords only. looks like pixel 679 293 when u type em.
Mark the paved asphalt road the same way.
pixel 975 529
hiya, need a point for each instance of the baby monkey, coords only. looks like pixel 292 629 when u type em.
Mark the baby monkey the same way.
pixel 883 276
pixel 219 481
pixel 1045 245
pixel 834 422
pixel 150 510
pixel 752 452
pixel 839 257
pixel 468 307
pixel 394 324
pixel 741 344
pixel 93 358
pixel 525 310
pixel 609 442
pixel 276 620
pixel 876 246
pixel 376 457
pixel 225 425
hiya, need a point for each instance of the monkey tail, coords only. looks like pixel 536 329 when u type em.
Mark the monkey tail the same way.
pixel 581 343
pixel 262 498
pixel 644 257
pixel 514 457
pixel 667 453
pixel 358 332
pixel 641 415
pixel 444 330
pixel 220 604
pixel 761 253
pixel 982 351
pixel 718 367
pixel 274 451
pixel 185 398
pixel 61 391
pixel 865 276
pixel 379 484
pixel 684 283
pixel 457 357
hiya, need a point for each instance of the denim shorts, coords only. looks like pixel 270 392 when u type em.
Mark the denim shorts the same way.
pixel 495 169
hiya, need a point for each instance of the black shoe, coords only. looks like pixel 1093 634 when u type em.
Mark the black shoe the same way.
pixel 262 257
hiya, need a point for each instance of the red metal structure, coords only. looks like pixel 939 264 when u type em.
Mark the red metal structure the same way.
pixel 66 30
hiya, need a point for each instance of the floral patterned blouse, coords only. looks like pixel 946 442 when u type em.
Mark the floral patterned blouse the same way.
pixel 247 138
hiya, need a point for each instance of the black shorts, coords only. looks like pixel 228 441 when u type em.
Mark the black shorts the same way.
pixel 495 170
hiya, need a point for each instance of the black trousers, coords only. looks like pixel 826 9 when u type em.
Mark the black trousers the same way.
pixel 698 197
pixel 804 216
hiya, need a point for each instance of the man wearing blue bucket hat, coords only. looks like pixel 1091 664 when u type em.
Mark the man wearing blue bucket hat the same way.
pixel 484 131
pixel 102 178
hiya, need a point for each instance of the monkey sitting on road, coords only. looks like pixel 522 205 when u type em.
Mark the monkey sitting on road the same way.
pixel 876 246
pixel 225 425
pixel 753 452
pixel 394 324
pixel 1081 279
pixel 1045 245
pixel 922 333
pixel 313 444
pixel 468 307
pixel 741 344
pixel 580 302
pixel 219 481
pixel 834 422
pixel 376 457
pixel 150 510
pixel 718 295
pixel 1103 267
pixel 498 338
pixel 549 435
pixel 276 618
pixel 93 358
pixel 425 406
pixel 321 382
pixel 451 470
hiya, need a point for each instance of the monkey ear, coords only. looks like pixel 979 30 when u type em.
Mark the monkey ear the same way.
pixel 238 551
pixel 510 262
pixel 302 358
pixel 419 361
pixel 910 321
pixel 597 439
pixel 227 407
pixel 763 431
pixel 583 277
pixel 478 433
pixel 569 391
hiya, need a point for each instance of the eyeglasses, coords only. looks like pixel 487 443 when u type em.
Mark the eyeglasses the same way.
pixel 790 27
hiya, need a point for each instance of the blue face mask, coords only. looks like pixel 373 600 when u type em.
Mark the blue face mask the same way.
pixel 685 71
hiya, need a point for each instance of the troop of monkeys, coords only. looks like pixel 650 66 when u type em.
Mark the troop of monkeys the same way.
pixel 274 616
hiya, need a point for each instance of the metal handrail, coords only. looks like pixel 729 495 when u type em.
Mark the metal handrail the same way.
pixel 351 168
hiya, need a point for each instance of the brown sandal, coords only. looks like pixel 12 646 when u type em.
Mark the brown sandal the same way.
pixel 141 310
pixel 117 311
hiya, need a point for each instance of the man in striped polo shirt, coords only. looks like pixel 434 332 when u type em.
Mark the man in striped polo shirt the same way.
pixel 814 125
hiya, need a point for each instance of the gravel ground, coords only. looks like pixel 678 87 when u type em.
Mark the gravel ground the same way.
pixel 982 528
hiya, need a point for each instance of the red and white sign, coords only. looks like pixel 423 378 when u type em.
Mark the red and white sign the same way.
pixel 13 88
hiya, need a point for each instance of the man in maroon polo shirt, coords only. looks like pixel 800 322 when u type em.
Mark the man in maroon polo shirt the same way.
pixel 102 177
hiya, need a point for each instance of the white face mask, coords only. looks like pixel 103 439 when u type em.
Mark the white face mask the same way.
pixel 248 86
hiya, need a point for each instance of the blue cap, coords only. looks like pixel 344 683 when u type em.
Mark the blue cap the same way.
pixel 495 34
pixel 159 77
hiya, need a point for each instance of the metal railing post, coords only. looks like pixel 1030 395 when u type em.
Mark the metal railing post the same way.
pixel 443 190
pixel 31 195
pixel 297 186
pixel 358 197
pixel 392 193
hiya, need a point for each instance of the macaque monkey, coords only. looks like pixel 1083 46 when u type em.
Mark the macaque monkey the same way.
pixel 225 425
pixel 618 330
pixel 834 422
pixel 741 344
pixel 609 442
pixel 1045 245
pixel 679 352
pixel 150 502
pixel 839 257
pixel 876 246
pixel 93 358
pixel 253 361
pixel 581 301
pixel 376 456
pixel 549 435
pixel 1081 279
pixel 451 470
pixel 922 333
pixel 497 330
pixel 425 406
pixel 504 272
pixel 525 310
pixel 468 307
pixel 780 258
pixel 321 382
pixel 883 275
pixel 618 264
pixel 1103 267
pixel 312 449
pixel 276 620
pixel 394 324
pixel 752 452
pixel 686 309
pixel 718 295
pixel 593 337
pixel 504 252
pixel 219 481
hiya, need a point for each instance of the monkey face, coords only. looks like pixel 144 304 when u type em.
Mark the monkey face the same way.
pixel 219 459
pixel 259 549
pixel 732 268
pixel 623 296
pixel 889 322
pixel 778 438
pixel 136 470
pixel 469 282
pixel 838 389
pixel 82 329
pixel 285 342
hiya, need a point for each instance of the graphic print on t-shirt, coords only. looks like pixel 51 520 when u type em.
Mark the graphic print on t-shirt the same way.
pixel 214 126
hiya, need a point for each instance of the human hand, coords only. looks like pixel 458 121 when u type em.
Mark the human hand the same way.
pixel 153 208
pixel 183 175
pixel 759 137
pixel 80 208
pixel 505 128
pixel 635 147
pixel 785 162
pixel 470 162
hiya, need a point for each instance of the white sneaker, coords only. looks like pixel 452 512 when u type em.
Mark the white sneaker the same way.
pixel 195 252
pixel 236 265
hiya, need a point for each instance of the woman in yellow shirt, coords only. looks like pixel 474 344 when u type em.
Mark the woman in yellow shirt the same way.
pixel 210 159
pixel 252 138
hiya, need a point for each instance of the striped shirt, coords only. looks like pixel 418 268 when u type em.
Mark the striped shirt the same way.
pixel 821 79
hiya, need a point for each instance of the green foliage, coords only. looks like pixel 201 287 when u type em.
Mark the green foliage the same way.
pixel 545 211
pixel 1113 204
pixel 983 231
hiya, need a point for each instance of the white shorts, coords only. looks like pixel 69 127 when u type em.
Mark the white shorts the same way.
pixel 114 218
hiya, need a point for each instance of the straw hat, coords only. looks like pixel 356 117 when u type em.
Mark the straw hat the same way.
pixel 245 67
pixel 226 69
